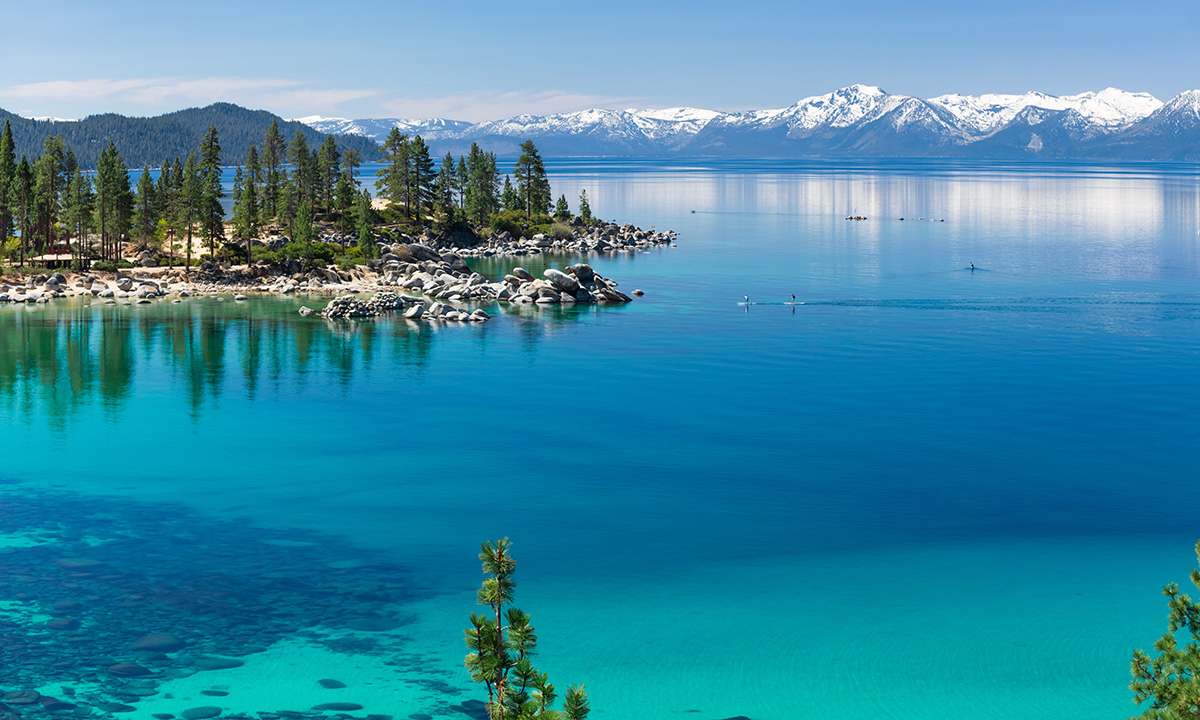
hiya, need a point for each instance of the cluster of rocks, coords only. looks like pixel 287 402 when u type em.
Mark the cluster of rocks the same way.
pixel 43 288
pixel 348 306
pixel 584 239
pixel 444 311
pixel 446 276
pixel 579 284
pixel 383 302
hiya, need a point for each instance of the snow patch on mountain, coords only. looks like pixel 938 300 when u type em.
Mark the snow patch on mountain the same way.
pixel 1109 108
pixel 378 128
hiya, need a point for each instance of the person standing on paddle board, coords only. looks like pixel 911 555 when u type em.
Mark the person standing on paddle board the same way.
pixel 793 298
pixel 747 299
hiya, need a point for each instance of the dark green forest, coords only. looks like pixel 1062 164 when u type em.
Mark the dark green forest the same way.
pixel 146 141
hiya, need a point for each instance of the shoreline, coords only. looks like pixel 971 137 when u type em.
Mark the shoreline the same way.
pixel 436 271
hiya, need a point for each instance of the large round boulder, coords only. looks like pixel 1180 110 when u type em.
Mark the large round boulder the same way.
pixel 563 281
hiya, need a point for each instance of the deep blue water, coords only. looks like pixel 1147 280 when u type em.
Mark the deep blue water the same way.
pixel 927 492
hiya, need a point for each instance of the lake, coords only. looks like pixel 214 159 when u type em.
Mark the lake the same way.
pixel 929 491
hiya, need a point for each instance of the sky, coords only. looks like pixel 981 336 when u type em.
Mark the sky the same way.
pixel 471 60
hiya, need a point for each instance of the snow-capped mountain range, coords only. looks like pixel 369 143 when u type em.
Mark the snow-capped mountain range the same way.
pixel 859 120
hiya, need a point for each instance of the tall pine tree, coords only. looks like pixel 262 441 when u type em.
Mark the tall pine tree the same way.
pixel 114 204
pixel 145 221
pixel 394 177
pixel 423 176
pixel 8 176
pixel 191 201
pixel 303 168
pixel 211 213
pixel 50 183
pixel 78 216
pixel 272 160
pixel 532 185
pixel 328 169
pixel 22 204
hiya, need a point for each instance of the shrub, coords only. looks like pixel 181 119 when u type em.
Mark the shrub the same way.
pixel 112 266
pixel 509 221
pixel 559 231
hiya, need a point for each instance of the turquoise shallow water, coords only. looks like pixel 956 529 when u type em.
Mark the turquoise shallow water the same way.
pixel 928 492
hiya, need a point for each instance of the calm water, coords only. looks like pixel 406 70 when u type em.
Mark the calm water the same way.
pixel 928 492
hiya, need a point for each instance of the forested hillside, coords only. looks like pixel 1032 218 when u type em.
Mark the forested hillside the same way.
pixel 146 141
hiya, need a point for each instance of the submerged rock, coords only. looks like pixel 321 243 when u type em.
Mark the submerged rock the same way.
pixel 128 670
pixel 216 663
pixel 159 642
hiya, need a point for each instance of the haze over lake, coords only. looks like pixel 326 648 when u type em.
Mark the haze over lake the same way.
pixel 929 491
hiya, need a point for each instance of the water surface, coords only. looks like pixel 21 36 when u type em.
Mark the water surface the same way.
pixel 927 492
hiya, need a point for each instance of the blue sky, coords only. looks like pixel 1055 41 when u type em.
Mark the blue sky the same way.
pixel 474 60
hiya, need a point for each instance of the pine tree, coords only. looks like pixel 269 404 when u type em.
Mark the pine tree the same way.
pixel 509 198
pixel 394 177
pixel 585 209
pixel 344 197
pixel 8 175
pixel 272 159
pixel 211 212
pixel 482 184
pixel 146 212
pixel 1172 678
pixel 80 203
pixel 247 213
pixel 303 168
pixel 350 164
pixel 562 210
pixel 532 185
pixel 22 203
pixel 191 199
pixel 114 202
pixel 362 218
pixel 162 189
pixel 176 217
pixel 328 167
pixel 445 186
pixel 51 180
pixel 423 176
pixel 503 644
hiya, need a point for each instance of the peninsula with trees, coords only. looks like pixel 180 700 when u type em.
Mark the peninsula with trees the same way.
pixel 300 218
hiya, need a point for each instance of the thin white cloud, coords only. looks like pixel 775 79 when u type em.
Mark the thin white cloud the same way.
pixel 319 100
pixel 144 91
pixel 289 98
pixel 495 105
pixel 166 94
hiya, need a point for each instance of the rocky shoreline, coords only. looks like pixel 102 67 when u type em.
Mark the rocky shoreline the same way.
pixel 437 271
